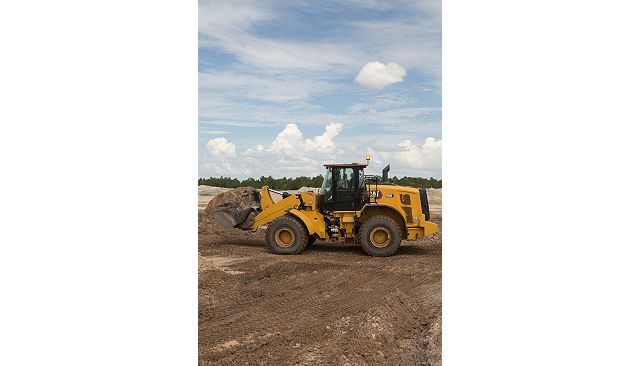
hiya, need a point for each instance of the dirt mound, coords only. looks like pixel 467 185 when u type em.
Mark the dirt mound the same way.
pixel 242 196
pixel 212 234
pixel 434 195
pixel 208 226
pixel 305 189
pixel 205 193
pixel 210 191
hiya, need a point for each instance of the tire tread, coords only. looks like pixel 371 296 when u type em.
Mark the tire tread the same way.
pixel 379 220
pixel 296 225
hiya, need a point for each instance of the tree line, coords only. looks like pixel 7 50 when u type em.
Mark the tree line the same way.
pixel 296 183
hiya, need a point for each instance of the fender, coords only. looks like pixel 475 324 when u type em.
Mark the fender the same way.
pixel 313 221
pixel 399 216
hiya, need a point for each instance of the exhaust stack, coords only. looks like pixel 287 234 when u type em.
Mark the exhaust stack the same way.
pixel 385 174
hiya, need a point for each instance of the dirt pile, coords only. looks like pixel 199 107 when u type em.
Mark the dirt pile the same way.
pixel 434 195
pixel 210 191
pixel 205 193
pixel 242 196
pixel 208 226
pixel 218 233
pixel 305 189
pixel 235 208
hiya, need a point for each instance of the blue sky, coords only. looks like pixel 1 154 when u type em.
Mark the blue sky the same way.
pixel 285 87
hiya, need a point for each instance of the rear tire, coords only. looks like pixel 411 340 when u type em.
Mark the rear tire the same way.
pixel 287 235
pixel 380 236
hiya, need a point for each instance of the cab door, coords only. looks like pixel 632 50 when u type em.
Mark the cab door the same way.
pixel 345 183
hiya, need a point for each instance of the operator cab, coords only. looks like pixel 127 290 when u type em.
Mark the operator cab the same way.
pixel 343 188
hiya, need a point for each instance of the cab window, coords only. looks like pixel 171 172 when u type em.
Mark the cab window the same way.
pixel 345 179
pixel 326 186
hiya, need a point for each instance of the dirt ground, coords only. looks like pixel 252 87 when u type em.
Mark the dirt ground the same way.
pixel 330 305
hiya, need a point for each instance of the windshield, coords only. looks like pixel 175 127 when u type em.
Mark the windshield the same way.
pixel 326 185
pixel 344 179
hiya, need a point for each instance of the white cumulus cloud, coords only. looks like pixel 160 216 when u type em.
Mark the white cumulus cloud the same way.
pixel 221 148
pixel 377 75
pixel 412 159
pixel 291 141
pixel 324 143
pixel 221 158
pixel 291 153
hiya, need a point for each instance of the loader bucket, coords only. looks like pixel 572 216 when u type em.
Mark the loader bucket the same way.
pixel 235 208
pixel 231 215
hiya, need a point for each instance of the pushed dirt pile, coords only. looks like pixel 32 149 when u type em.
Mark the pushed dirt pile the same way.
pixel 208 227
pixel 330 305
pixel 241 196
pixel 235 207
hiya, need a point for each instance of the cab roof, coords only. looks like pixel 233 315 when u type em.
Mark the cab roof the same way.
pixel 346 165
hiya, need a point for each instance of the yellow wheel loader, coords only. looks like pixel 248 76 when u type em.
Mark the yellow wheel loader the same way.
pixel 350 207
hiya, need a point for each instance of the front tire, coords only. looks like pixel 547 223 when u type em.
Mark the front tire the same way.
pixel 287 235
pixel 380 236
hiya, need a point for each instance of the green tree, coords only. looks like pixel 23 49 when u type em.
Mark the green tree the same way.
pixel 285 183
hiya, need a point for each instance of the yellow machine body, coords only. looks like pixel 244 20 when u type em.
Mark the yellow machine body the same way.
pixel 402 204
pixel 304 208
